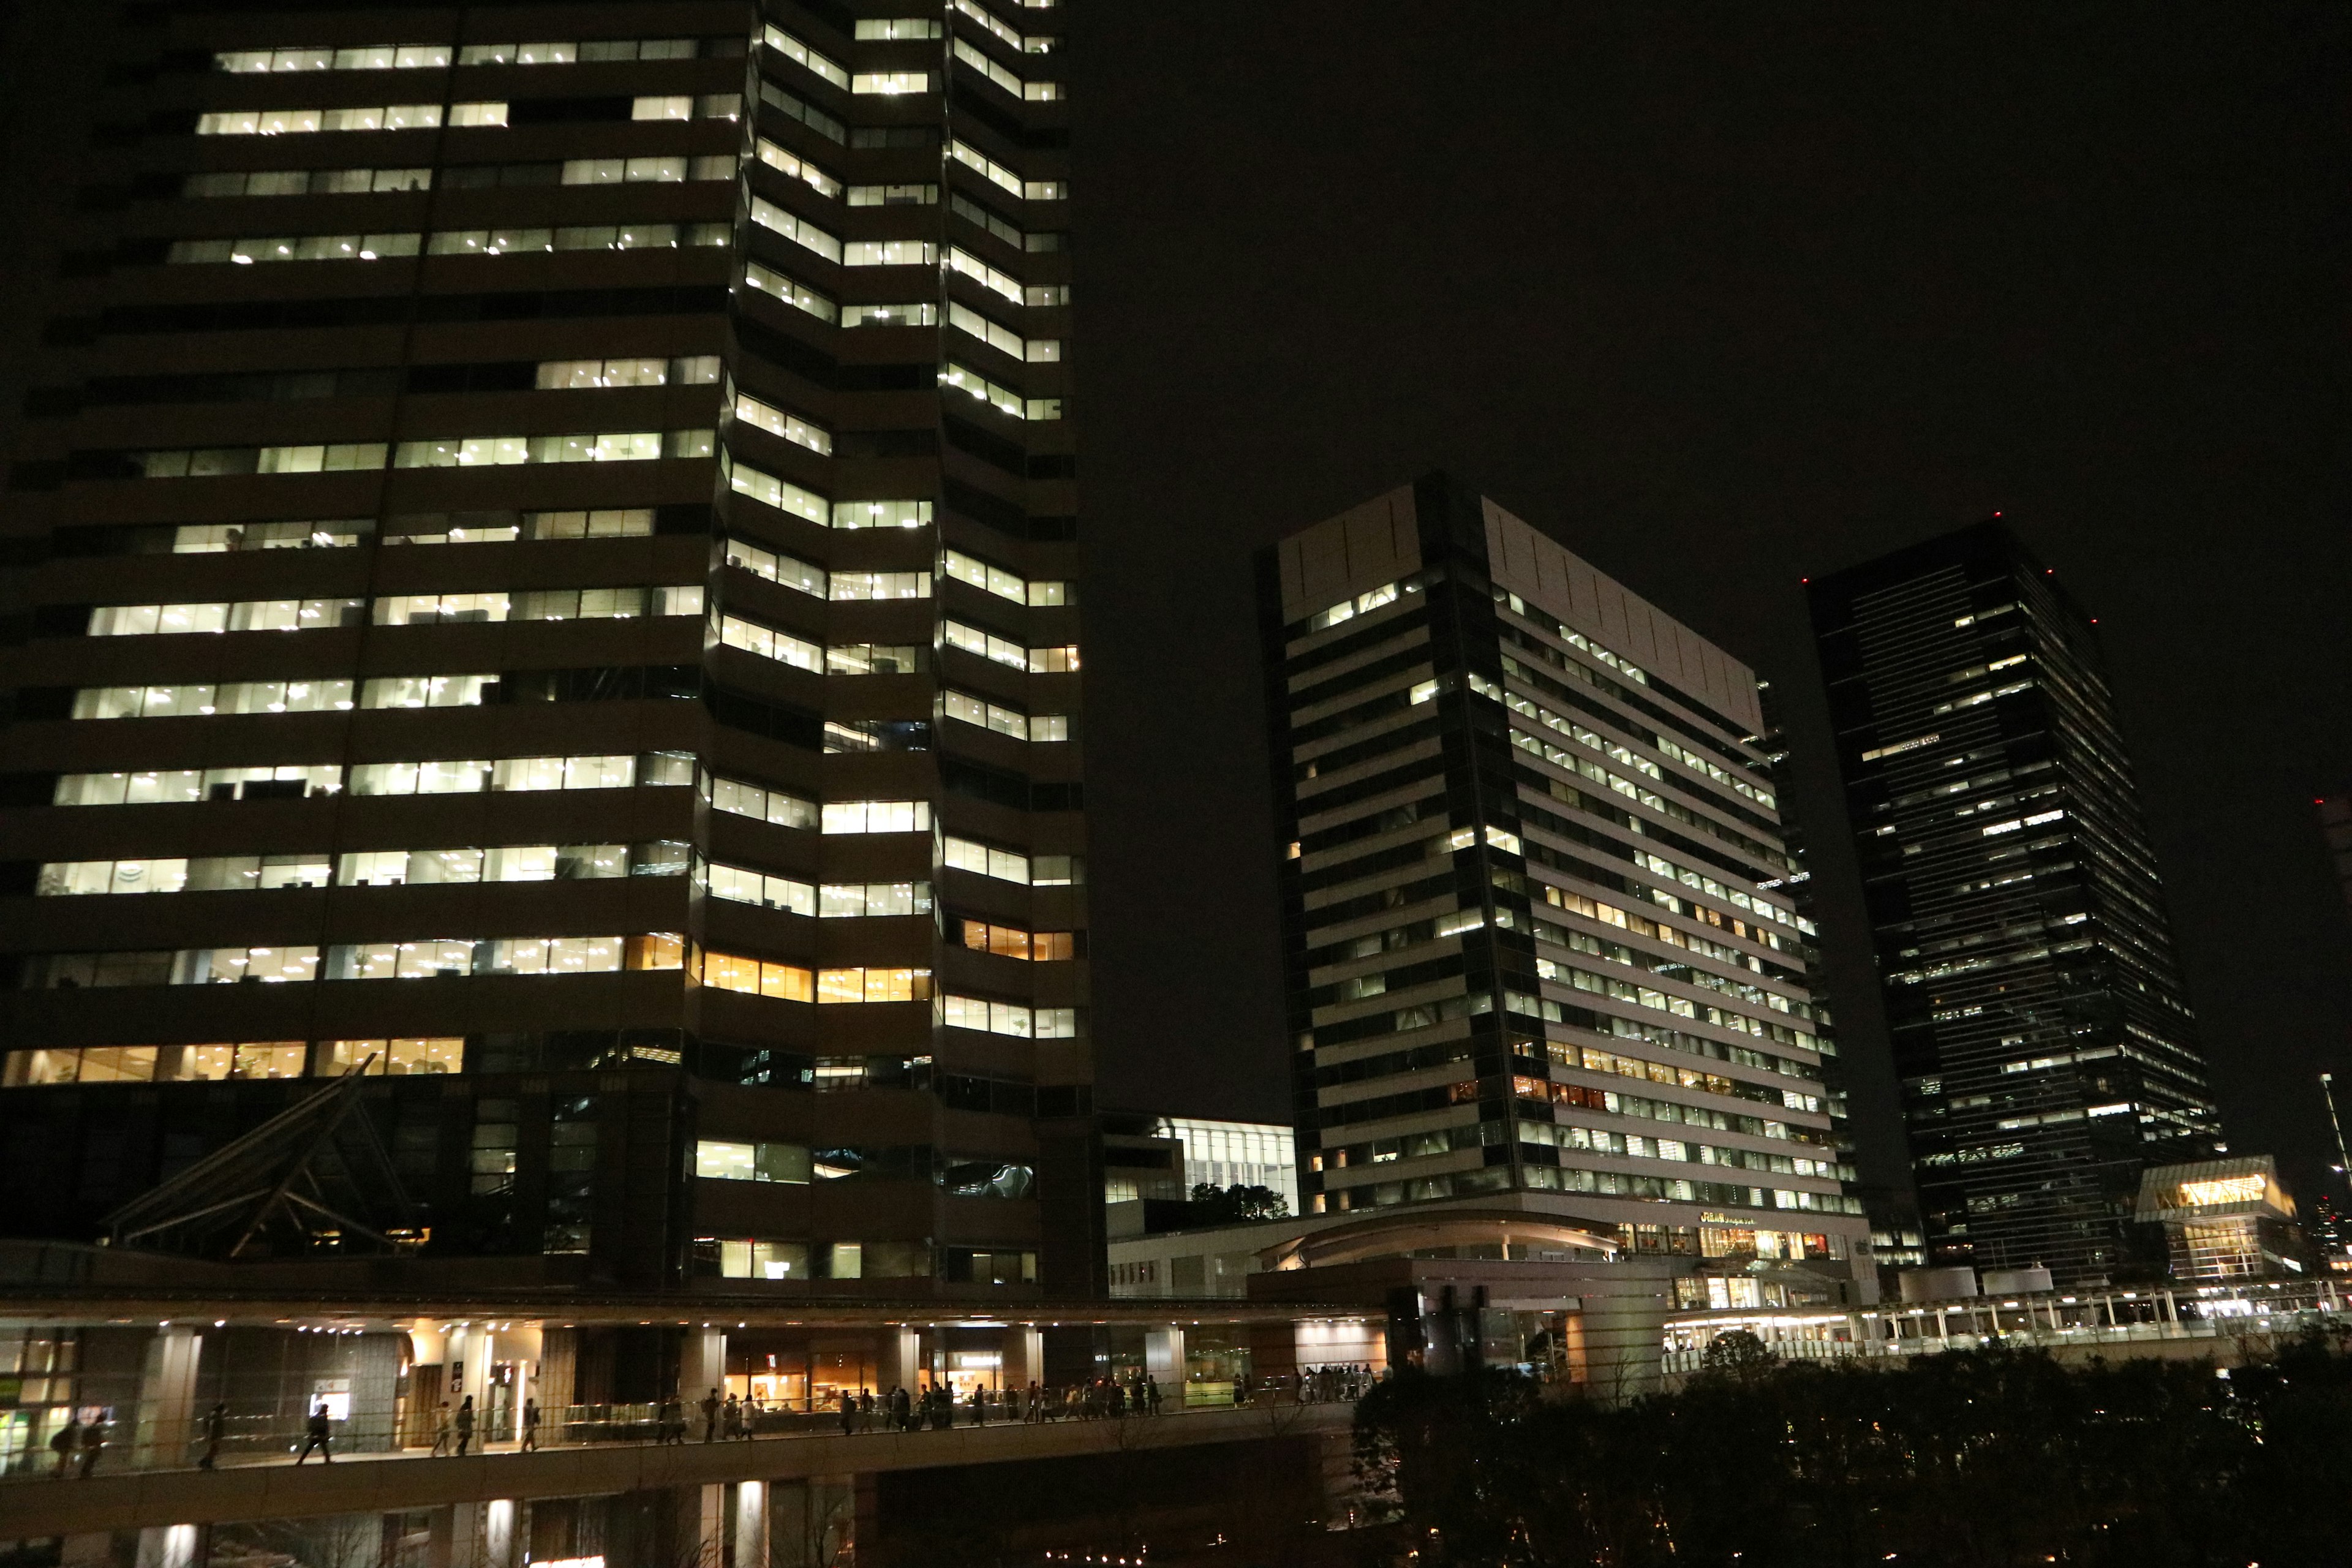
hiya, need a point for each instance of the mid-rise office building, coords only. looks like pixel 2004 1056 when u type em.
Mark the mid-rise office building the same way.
pixel 543 552
pixel 1540 959
pixel 2042 1034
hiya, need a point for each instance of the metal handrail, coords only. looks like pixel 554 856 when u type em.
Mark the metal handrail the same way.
pixel 274 1439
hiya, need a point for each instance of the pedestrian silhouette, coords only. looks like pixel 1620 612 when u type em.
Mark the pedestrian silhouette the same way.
pixel 318 1432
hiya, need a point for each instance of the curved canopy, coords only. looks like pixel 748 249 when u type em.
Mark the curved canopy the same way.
pixel 1398 1234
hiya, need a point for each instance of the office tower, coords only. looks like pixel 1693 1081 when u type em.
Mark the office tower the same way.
pixel 1532 962
pixel 2043 1037
pixel 544 550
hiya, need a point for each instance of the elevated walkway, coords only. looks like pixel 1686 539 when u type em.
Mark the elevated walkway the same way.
pixel 385 1483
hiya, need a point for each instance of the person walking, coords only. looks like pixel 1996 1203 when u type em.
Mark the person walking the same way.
pixel 319 1433
pixel 441 1432
pixel 751 1415
pixel 710 1416
pixel 900 1413
pixel 530 1425
pixel 1151 1394
pixel 94 1444
pixel 865 1409
pixel 67 1442
pixel 670 1427
pixel 464 1425
pixel 733 1419
pixel 215 1428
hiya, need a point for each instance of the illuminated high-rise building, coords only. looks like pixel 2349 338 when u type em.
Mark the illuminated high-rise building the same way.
pixel 1542 958
pixel 543 554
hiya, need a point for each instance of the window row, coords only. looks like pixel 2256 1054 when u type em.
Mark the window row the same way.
pixel 416 959
pixel 819 65
pixel 1004 399
pixel 453 452
pixel 282 696
pixel 1014 1018
pixel 243 1059
pixel 423 527
pixel 796 1164
pixel 1030 44
pixel 1012 942
pixel 1003 79
pixel 447 242
pixel 461 176
pixel 808 505
pixel 825 988
pixel 1635 1146
pixel 830 901
pixel 512 526
pixel 1004 585
pixel 298 780
pixel 789 427
pixel 420 56
pixel 426 959
pixel 390 117
pixel 362 869
pixel 1059 660
pixel 969 709
pixel 1004 340
pixel 1011 865
pixel 754 1259
pixel 791 165
pixel 395 610
pixel 998 174
pixel 999 282
pixel 429 116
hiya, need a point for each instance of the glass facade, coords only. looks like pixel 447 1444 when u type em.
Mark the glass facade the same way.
pixel 2043 1037
pixel 682 688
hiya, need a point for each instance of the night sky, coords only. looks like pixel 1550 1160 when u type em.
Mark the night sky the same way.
pixel 1725 295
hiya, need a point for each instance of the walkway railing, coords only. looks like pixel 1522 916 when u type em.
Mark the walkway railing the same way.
pixel 2047 1321
pixel 250 1439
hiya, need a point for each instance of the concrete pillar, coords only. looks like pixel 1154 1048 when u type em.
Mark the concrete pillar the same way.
pixel 1624 1344
pixel 701 1367
pixel 751 1524
pixel 455 1538
pixel 170 1546
pixel 502 1536
pixel 167 1398
pixel 900 1364
pixel 460 1364
pixel 708 1521
pixel 1024 1355
pixel 1163 1357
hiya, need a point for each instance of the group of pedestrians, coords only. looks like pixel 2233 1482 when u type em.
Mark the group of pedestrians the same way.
pixel 1312 1385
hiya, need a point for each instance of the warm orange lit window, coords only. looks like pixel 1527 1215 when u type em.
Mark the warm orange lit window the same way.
pixel 1009 942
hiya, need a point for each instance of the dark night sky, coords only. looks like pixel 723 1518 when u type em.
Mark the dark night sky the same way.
pixel 1725 296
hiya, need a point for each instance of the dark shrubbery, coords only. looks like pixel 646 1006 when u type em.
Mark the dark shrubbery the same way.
pixel 1967 1459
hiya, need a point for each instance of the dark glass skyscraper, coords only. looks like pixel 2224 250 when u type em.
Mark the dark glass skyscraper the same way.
pixel 540 559
pixel 2044 1041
